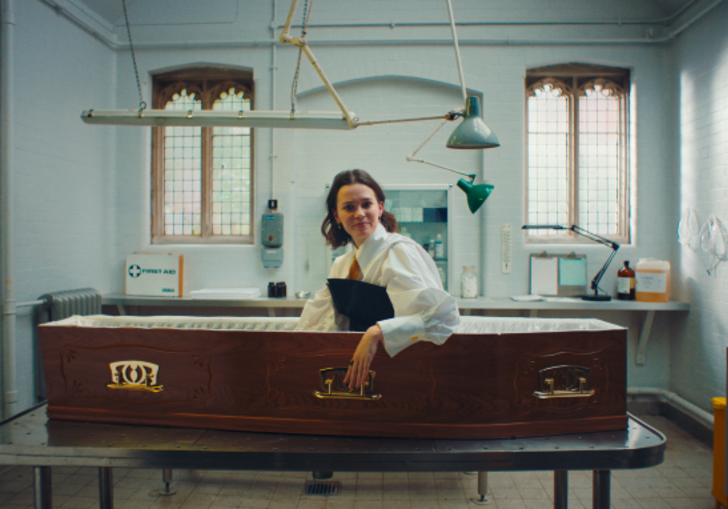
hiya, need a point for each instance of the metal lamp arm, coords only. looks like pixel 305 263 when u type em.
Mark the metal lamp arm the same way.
pixel 598 276
pixel 411 158
pixel 286 38
pixel 593 236
pixel 601 240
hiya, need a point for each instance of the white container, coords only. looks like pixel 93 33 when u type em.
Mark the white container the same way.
pixel 468 283
pixel 439 247
pixel 653 280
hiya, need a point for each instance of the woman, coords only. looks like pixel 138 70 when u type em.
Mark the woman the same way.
pixel 388 287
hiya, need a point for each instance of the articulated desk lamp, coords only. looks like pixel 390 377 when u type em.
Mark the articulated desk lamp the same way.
pixel 472 133
pixel 589 235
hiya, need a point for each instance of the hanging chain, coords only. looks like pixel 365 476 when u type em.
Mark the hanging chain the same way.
pixel 304 26
pixel 142 104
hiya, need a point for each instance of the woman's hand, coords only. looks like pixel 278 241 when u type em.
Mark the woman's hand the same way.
pixel 363 357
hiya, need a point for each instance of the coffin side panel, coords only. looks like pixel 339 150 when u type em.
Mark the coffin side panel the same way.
pixel 473 386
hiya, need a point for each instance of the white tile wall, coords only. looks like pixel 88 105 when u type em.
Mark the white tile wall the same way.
pixel 64 202
pixel 698 369
pixel 83 192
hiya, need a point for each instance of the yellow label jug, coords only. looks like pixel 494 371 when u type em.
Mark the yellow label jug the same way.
pixel 653 280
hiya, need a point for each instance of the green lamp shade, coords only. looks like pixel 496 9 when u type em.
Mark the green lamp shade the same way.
pixel 472 133
pixel 476 194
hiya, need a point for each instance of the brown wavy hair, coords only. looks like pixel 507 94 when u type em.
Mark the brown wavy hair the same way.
pixel 334 233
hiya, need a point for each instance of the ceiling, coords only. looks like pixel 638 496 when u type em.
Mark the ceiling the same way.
pixel 111 11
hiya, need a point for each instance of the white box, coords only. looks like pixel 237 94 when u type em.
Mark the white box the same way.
pixel 154 274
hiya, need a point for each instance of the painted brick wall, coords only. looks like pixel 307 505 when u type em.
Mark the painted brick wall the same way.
pixel 698 370
pixel 64 204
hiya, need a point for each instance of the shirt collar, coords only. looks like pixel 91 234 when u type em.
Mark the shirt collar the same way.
pixel 371 246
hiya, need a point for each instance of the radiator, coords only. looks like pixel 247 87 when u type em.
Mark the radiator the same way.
pixel 57 306
pixel 60 305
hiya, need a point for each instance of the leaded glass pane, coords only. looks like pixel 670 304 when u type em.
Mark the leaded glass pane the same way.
pixel 183 171
pixel 548 157
pixel 231 170
pixel 599 145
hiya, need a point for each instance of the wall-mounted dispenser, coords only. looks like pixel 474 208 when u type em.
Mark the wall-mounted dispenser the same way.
pixel 271 234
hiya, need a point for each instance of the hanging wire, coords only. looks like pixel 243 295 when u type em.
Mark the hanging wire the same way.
pixel 304 26
pixel 714 243
pixel 142 104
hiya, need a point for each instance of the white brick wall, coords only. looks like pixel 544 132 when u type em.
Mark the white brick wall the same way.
pixel 698 369
pixel 64 205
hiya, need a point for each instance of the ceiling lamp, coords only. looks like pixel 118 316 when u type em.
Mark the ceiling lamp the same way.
pixel 472 133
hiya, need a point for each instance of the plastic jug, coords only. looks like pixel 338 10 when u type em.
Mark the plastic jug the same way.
pixel 653 280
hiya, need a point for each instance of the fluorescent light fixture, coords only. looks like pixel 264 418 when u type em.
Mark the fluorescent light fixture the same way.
pixel 207 118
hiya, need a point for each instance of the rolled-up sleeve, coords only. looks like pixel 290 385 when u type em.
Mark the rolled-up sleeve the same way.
pixel 423 310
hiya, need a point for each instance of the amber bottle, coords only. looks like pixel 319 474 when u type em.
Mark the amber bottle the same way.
pixel 625 283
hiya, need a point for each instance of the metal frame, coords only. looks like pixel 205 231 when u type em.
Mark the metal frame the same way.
pixel 32 439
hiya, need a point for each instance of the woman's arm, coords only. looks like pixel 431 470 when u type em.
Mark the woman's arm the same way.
pixel 423 310
pixel 363 357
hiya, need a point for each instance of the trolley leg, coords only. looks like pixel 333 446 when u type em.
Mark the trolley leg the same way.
pixel 601 489
pixel 482 489
pixel 166 491
pixel 106 488
pixel 561 489
pixel 42 494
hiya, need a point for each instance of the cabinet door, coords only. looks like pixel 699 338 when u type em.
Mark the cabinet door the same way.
pixel 423 214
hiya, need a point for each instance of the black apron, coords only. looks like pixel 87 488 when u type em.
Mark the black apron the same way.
pixel 363 303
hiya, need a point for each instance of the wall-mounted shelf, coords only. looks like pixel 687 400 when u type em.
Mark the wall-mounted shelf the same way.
pixel 467 306
pixel 649 308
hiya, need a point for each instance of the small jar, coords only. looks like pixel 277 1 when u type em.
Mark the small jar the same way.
pixel 468 283
pixel 281 290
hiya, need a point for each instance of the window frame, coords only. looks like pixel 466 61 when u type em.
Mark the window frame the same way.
pixel 575 76
pixel 208 81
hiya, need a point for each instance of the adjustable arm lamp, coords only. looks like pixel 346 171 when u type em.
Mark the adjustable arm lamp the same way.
pixel 476 194
pixel 589 235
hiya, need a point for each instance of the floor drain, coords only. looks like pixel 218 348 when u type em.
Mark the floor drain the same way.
pixel 323 488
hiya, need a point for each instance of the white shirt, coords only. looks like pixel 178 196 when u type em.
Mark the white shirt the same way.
pixel 423 311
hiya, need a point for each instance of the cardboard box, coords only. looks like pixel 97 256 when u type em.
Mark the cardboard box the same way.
pixel 154 274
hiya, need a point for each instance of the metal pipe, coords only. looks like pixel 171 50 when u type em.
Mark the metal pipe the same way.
pixel 670 397
pixel 10 393
pixel 601 489
pixel 30 303
pixel 561 489
pixel 457 51
pixel 666 21
pixel 102 31
pixel 273 69
pixel 106 488
pixel 42 488
pixel 116 45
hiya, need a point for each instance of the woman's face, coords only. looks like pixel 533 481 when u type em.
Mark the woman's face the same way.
pixel 358 211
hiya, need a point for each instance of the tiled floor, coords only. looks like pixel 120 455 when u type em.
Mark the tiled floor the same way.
pixel 683 481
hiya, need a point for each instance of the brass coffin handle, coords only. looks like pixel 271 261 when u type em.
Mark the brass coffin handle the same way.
pixel 332 383
pixel 134 375
pixel 564 382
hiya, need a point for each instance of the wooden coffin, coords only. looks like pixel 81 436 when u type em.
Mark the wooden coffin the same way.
pixel 499 377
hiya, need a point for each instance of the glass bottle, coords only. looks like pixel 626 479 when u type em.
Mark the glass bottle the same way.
pixel 625 283
pixel 468 283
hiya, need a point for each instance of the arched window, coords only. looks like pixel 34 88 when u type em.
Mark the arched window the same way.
pixel 202 189
pixel 577 162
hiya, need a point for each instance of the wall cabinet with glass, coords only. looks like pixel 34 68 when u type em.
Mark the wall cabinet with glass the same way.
pixel 422 212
